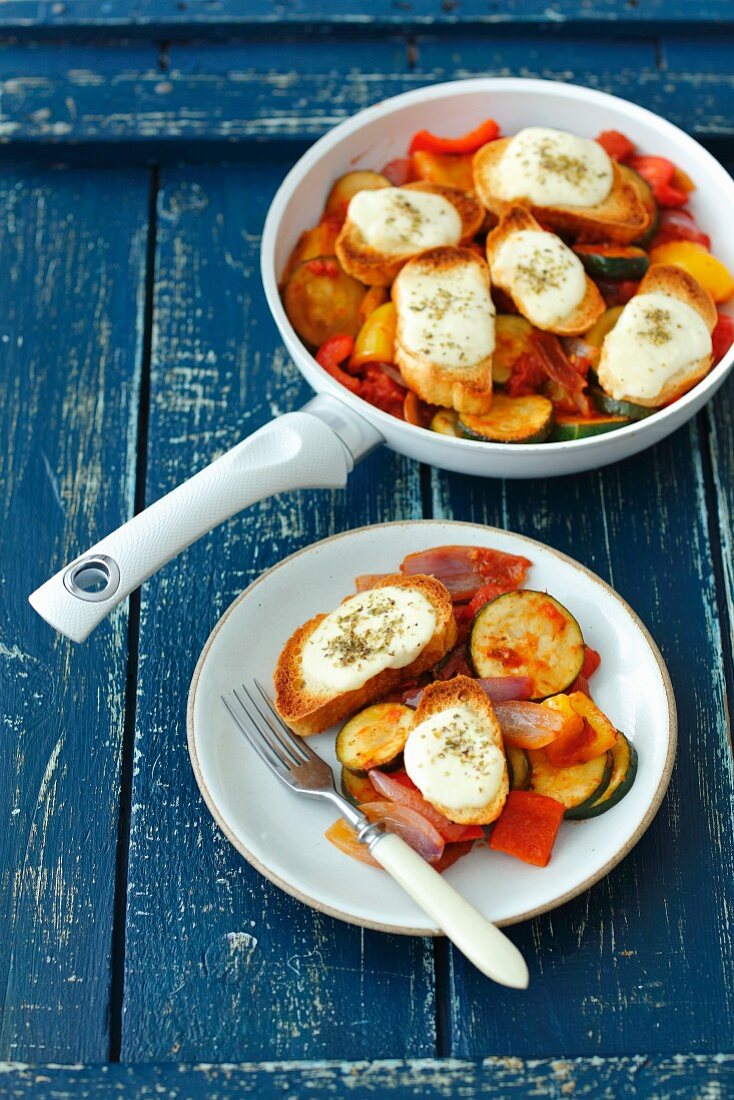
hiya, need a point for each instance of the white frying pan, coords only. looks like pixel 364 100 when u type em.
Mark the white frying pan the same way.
pixel 318 446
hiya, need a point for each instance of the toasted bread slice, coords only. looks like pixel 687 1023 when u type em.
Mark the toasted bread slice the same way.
pixel 379 268
pixel 480 746
pixel 583 315
pixel 676 284
pixel 436 295
pixel 621 217
pixel 309 708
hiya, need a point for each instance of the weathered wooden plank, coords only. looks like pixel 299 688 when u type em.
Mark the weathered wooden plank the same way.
pixel 642 960
pixel 201 18
pixel 621 1078
pixel 73 246
pixel 231 93
pixel 219 963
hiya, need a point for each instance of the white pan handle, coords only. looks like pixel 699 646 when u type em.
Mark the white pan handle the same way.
pixel 297 451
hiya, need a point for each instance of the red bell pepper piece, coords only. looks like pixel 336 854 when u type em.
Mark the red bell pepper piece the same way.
pixel 527 827
pixel 382 391
pixel 616 145
pixel 659 173
pixel 333 352
pixel 722 337
pixel 468 143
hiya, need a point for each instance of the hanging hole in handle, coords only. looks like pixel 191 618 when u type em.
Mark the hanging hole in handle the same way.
pixel 93 579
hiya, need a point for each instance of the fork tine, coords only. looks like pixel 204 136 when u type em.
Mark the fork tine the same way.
pixel 283 750
pixel 260 747
pixel 297 743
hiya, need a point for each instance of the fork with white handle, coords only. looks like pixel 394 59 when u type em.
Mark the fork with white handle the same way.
pixel 298 766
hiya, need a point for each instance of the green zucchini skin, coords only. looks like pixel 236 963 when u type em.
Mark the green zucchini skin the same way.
pixel 510 420
pixel 519 769
pixel 533 611
pixel 577 787
pixel 631 263
pixel 624 772
pixel 567 428
pixel 445 422
pixel 611 407
pixel 644 190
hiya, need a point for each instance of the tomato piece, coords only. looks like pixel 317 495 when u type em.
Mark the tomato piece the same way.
pixel 527 827
pixel 399 171
pixel 592 660
pixel 452 853
pixel 527 376
pixel 722 337
pixel 617 292
pixel 467 143
pixel 659 173
pixel 333 352
pixel 382 391
pixel 617 145
pixel 465 569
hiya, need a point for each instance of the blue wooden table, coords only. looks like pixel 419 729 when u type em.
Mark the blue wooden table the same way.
pixel 141 143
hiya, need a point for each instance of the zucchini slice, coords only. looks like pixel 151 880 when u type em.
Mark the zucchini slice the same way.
pixel 578 786
pixel 605 324
pixel 510 420
pixel 581 427
pixel 611 407
pixel 527 633
pixel 374 738
pixel 612 261
pixel 624 770
pixel 357 788
pixel 511 340
pixel 518 768
pixel 445 422
pixel 321 300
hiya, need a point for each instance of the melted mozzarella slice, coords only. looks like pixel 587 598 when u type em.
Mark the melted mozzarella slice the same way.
pixel 656 337
pixel 453 760
pixel 395 221
pixel 383 628
pixel 553 168
pixel 447 315
pixel 544 276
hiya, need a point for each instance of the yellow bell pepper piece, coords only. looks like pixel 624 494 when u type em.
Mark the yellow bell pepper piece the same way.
pixel 698 262
pixel 375 341
pixel 448 169
pixel 596 735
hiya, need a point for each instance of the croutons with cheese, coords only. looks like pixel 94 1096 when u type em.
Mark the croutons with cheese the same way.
pixel 661 345
pixel 445 329
pixel 568 182
pixel 543 276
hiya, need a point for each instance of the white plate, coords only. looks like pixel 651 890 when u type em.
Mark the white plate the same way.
pixel 282 835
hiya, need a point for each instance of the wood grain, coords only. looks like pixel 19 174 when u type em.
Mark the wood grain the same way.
pixel 202 18
pixel 220 100
pixel 219 963
pixel 73 247
pixel 628 1077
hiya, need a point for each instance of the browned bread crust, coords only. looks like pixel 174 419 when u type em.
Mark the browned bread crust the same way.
pixel 465 692
pixel 590 308
pixel 306 711
pixel 622 216
pixel 677 283
pixel 468 389
pixel 376 268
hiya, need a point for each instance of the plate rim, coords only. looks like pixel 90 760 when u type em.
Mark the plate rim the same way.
pixel 378 926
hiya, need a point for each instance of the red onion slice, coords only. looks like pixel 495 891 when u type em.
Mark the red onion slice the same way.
pixel 396 792
pixel 528 725
pixel 412 826
pixel 501 689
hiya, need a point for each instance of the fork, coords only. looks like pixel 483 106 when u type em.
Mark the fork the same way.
pixel 303 771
